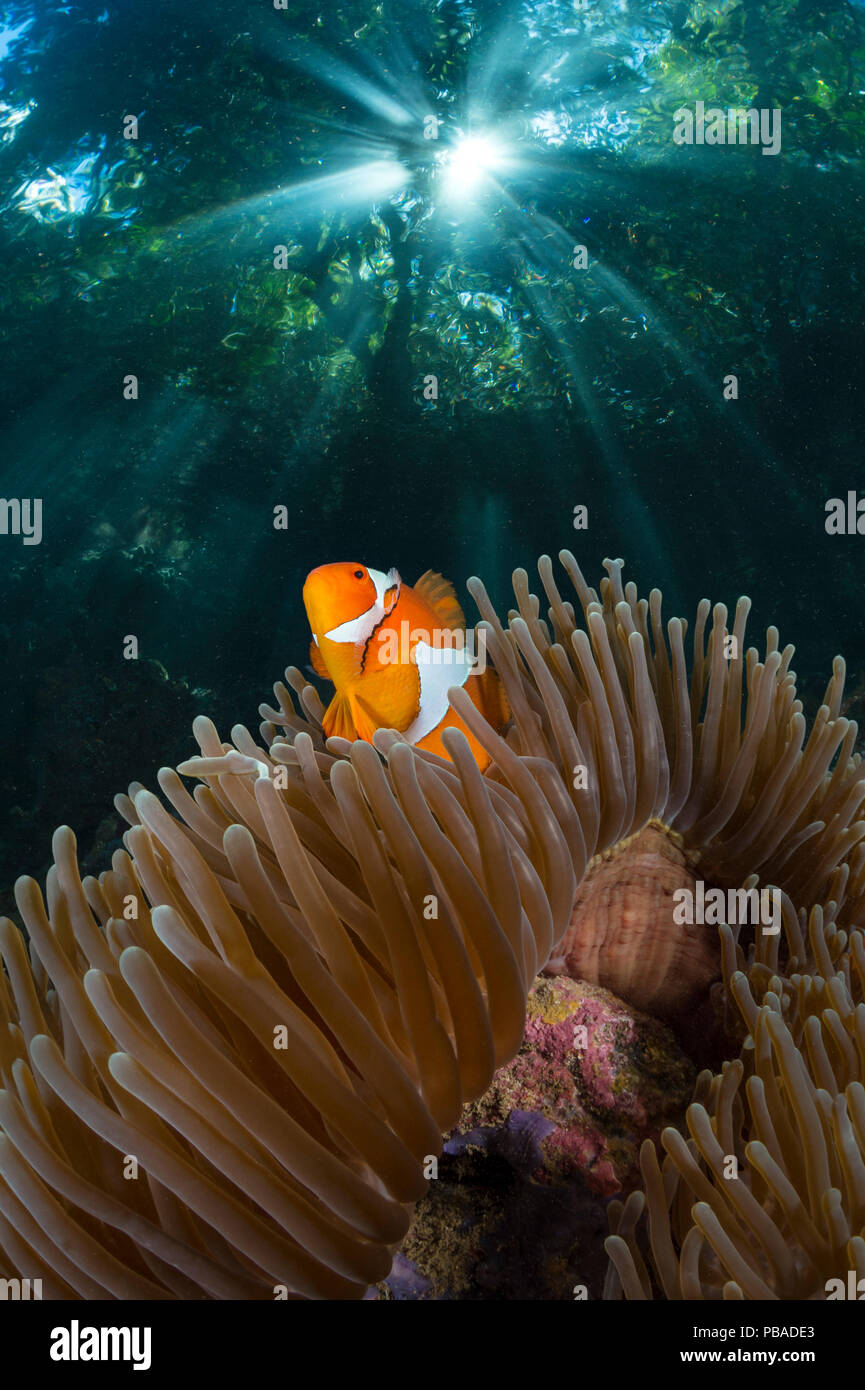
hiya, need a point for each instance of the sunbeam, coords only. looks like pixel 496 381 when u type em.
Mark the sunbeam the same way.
pixel 468 164
pixel 356 187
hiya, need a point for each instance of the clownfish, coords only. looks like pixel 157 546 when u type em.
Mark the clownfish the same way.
pixel 393 652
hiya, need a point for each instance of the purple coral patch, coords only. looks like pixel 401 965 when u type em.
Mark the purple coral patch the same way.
pixel 593 1079
pixel 518 1208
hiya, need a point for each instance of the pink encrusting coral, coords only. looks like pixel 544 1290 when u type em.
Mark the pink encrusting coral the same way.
pixel 601 1074
pixel 518 1207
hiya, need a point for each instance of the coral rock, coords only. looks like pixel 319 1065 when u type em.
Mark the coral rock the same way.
pixel 516 1209
pixel 603 1076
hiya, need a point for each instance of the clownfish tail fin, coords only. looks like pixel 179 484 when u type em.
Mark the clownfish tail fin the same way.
pixel 487 694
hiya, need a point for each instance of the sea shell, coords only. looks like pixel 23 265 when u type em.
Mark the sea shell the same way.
pixel 622 934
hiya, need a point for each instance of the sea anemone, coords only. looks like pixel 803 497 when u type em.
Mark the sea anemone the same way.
pixel 229 1060
pixel 766 1198
pixel 717 766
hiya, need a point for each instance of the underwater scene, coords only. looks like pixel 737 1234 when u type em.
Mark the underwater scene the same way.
pixel 432 815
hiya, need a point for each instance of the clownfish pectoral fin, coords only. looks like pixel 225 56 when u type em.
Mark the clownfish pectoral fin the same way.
pixel 441 596
pixel 316 661
pixel 366 721
pixel 386 699
pixel 338 721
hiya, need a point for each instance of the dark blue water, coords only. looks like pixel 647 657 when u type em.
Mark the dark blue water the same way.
pixel 301 377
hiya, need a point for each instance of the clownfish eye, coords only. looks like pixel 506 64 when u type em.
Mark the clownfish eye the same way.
pixel 358 574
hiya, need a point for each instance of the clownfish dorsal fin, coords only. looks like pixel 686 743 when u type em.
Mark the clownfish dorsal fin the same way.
pixel 316 661
pixel 441 596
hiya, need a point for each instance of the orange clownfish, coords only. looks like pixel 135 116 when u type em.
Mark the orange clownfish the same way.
pixel 393 652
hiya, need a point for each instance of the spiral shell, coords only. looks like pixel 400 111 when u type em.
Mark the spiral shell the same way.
pixel 622 934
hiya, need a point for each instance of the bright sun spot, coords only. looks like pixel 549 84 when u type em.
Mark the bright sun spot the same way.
pixel 468 163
